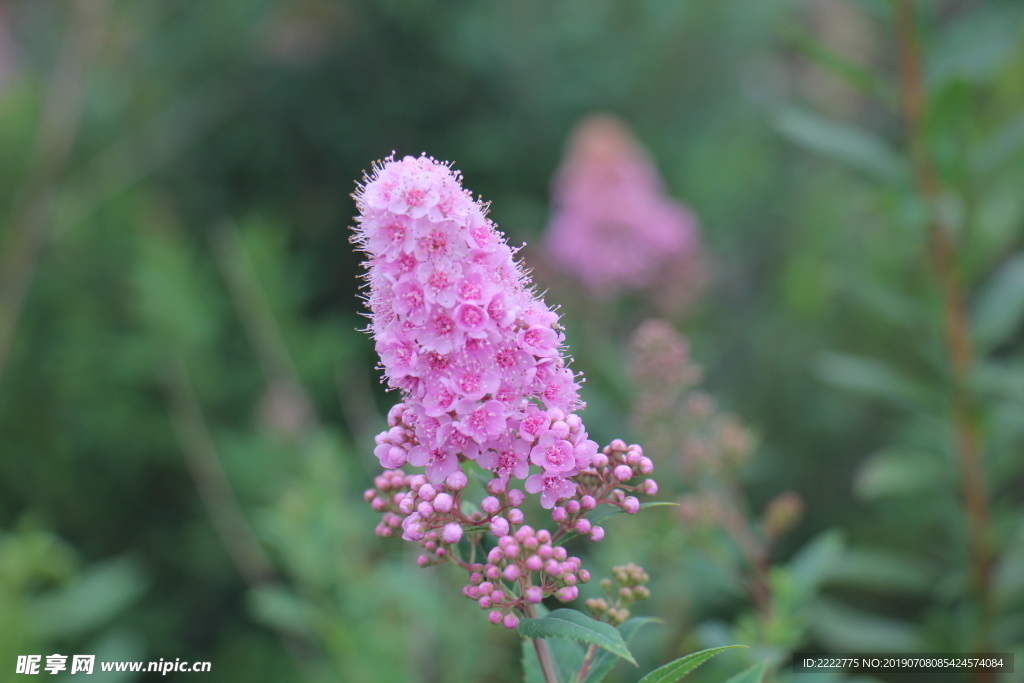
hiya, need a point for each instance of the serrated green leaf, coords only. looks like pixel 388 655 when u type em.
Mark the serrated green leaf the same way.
pixel 572 625
pixel 603 661
pixel 752 675
pixel 841 142
pixel 566 655
pixel 673 671
pixel 604 512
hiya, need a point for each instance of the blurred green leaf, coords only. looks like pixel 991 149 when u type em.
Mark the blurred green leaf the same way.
pixel 843 628
pixel 998 310
pixel 90 600
pixel 843 143
pixel 573 625
pixel 675 670
pixel 754 674
pixel 869 377
pixel 975 47
pixel 280 608
pixel 881 571
pixel 812 563
pixel 895 472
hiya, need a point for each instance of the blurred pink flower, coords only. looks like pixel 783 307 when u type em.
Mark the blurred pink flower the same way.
pixel 613 227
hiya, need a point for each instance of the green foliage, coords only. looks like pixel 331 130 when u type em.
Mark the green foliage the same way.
pixel 675 670
pixel 573 625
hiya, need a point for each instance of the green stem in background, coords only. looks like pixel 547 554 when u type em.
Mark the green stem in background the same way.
pixel 547 665
pixel 942 254
pixel 31 220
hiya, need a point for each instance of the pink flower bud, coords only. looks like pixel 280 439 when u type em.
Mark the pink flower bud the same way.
pixel 407 505
pixel 544 536
pixel 369 494
pixel 452 533
pixel 493 572
pixel 496 486
pixel 569 579
pixel 617 445
pixel 584 576
pixel 425 509
pixel 443 502
pixel 511 572
pixel 600 460
pixel 484 602
pixel 534 563
pixel 567 594
pixel 417 482
pixel 533 594
pixel 516 497
pixel 631 505
pixel 646 466
pixel 499 526
pixel 497 595
pixel 650 487
pixel 515 516
pixel 622 473
pixel 572 507
pixel 546 551
pixel 494 556
pixel 582 526
pixel 511 621
pixel 588 502
pixel 559 514
pixel 596 533
pixel 475 578
pixel 494 617
pixel 423 560
pixel 427 492
pixel 560 554
pixel 490 505
pixel 457 480
pixel 552 567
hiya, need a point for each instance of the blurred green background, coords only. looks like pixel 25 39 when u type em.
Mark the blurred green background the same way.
pixel 187 407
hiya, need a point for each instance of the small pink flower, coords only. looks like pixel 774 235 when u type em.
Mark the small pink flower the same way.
pixel 554 455
pixel 551 488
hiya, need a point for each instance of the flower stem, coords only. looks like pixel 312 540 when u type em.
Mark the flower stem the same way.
pixel 547 666
pixel 942 253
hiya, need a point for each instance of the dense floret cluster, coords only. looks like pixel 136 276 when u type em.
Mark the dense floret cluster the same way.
pixel 479 360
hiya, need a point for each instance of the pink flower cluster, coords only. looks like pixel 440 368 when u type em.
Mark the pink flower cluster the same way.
pixel 613 226
pixel 476 354
pixel 522 565
pixel 478 359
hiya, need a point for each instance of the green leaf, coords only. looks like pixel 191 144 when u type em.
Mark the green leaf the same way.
pixel 92 599
pixel 754 674
pixel 567 657
pixel 845 628
pixel 842 143
pixel 604 512
pixel 892 473
pixel 882 571
pixel 573 625
pixel 673 671
pixel 869 377
pixel 812 563
pixel 999 309
pixel 602 661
